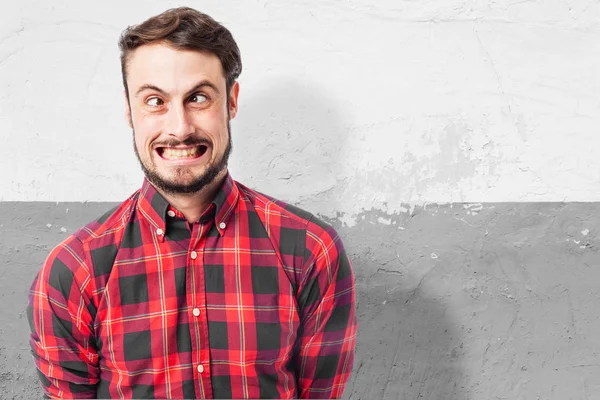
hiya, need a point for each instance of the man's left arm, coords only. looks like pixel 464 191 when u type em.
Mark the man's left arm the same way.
pixel 327 337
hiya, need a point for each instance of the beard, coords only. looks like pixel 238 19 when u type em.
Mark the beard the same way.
pixel 175 186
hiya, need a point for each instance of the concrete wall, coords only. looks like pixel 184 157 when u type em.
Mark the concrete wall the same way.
pixel 452 143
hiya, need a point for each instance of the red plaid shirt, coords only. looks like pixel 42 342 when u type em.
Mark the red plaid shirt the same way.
pixel 255 300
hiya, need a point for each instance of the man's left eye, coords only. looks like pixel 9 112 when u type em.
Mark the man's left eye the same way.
pixel 198 98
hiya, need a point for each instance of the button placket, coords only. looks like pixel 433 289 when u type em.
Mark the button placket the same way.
pixel 196 310
pixel 197 319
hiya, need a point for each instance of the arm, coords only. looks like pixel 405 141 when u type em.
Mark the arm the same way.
pixel 59 314
pixel 327 337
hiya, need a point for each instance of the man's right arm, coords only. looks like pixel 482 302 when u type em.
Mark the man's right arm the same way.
pixel 60 317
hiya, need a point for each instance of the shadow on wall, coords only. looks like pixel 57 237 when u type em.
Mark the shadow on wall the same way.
pixel 287 137
pixel 407 347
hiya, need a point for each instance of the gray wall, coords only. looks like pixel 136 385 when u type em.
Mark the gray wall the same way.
pixel 491 301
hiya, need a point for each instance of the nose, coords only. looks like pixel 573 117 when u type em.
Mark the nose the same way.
pixel 178 122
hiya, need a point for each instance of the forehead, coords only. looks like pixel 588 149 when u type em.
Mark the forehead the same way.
pixel 172 69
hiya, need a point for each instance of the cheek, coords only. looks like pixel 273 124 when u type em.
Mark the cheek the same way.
pixel 215 125
pixel 139 143
pixel 145 131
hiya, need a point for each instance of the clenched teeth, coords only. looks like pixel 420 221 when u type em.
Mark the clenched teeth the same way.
pixel 170 153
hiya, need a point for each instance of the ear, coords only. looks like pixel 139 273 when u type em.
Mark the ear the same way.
pixel 127 109
pixel 233 99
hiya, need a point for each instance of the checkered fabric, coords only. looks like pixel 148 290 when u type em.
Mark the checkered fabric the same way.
pixel 255 300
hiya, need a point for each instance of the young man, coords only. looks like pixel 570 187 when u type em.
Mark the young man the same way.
pixel 195 286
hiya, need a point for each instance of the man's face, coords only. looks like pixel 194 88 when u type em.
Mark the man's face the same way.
pixel 179 112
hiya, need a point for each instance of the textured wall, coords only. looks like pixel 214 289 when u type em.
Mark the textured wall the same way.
pixel 455 302
pixel 453 144
pixel 402 102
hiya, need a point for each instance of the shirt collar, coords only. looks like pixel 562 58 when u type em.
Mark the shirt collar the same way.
pixel 154 207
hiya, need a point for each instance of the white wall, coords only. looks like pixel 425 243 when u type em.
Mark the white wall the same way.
pixel 345 105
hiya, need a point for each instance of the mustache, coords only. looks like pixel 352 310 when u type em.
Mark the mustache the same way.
pixel 190 141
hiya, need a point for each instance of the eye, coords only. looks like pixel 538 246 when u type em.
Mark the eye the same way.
pixel 154 102
pixel 198 98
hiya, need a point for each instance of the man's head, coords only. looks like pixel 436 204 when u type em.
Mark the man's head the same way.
pixel 179 73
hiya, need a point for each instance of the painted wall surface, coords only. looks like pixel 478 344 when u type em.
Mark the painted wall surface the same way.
pixel 454 302
pixel 393 103
pixel 452 143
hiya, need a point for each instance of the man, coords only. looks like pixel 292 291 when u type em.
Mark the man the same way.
pixel 195 286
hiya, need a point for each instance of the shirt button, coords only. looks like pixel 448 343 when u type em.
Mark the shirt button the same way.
pixel 194 255
pixel 171 213
pixel 159 232
pixel 196 312
pixel 200 368
pixel 222 225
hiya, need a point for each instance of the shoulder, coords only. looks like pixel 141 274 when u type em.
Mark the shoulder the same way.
pixel 109 223
pixel 74 255
pixel 294 224
pixel 275 209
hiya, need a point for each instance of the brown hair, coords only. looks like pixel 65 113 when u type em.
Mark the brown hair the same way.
pixel 185 29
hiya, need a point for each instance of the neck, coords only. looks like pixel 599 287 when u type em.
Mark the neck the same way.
pixel 193 205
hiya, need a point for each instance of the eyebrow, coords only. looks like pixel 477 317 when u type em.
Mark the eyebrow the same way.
pixel 198 86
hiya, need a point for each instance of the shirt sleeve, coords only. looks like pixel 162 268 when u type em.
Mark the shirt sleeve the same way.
pixel 60 318
pixel 327 337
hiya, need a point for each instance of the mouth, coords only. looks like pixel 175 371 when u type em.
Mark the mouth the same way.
pixel 181 153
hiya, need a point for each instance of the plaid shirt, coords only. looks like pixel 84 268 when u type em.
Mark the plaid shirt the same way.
pixel 255 300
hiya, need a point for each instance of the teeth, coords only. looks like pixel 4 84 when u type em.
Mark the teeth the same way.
pixel 179 153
